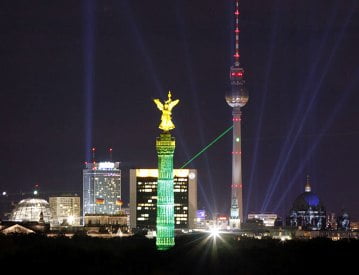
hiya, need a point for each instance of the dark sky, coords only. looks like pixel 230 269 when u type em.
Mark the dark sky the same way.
pixel 301 66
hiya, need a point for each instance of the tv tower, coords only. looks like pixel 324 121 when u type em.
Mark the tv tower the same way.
pixel 237 97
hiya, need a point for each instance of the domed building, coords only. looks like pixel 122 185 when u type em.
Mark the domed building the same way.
pixel 307 212
pixel 31 210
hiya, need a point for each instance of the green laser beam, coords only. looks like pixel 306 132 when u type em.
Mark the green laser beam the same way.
pixel 205 148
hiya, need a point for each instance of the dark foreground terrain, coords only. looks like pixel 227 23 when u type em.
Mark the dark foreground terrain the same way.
pixel 195 254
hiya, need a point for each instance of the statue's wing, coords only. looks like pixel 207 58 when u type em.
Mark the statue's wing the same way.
pixel 159 104
pixel 172 104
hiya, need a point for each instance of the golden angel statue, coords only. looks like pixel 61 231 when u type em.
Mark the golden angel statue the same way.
pixel 166 108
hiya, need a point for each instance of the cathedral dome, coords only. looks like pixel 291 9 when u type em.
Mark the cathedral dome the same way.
pixel 307 212
pixel 307 200
pixel 31 210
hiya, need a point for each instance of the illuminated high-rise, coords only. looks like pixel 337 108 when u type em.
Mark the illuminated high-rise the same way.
pixel 237 97
pixel 101 188
pixel 143 198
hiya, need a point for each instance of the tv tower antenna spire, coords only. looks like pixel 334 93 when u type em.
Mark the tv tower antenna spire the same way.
pixel 236 35
pixel 237 97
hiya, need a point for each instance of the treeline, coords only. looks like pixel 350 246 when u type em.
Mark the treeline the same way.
pixel 193 254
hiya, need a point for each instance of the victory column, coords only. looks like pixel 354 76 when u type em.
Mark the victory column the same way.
pixel 165 146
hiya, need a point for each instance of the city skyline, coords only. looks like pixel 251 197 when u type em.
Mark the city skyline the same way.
pixel 301 68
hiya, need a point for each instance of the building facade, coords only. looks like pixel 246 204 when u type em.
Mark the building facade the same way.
pixel 101 219
pixel 102 188
pixel 343 221
pixel 143 198
pixel 268 219
pixel 66 210
pixel 307 212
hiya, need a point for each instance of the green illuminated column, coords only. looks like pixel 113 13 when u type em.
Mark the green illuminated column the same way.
pixel 165 146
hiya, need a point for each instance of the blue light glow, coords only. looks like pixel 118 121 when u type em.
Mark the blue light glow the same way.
pixel 301 117
pixel 89 52
pixel 195 100
pixel 314 144
pixel 312 199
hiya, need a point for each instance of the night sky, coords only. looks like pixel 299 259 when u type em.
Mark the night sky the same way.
pixel 77 74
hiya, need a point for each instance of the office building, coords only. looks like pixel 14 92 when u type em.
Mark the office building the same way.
pixel 66 210
pixel 143 198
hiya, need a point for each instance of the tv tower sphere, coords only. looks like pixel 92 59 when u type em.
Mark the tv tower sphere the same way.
pixel 237 97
